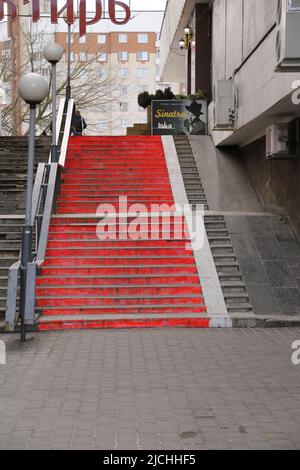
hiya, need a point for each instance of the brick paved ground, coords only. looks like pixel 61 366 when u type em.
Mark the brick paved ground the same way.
pixel 151 389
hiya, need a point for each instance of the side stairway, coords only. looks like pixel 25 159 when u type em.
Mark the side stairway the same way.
pixel 86 282
pixel 231 279
pixel 13 171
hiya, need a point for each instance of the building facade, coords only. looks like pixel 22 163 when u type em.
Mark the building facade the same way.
pixel 236 56
pixel 110 66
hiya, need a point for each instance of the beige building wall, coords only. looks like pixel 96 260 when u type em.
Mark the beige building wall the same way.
pixel 127 75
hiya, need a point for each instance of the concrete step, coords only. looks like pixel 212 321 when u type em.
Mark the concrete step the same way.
pixel 240 308
pixel 233 287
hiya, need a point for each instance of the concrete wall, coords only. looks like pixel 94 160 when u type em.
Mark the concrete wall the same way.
pixel 238 27
pixel 170 58
pixel 276 182
pixel 244 39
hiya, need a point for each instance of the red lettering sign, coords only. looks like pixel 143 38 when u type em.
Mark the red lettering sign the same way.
pixel 113 5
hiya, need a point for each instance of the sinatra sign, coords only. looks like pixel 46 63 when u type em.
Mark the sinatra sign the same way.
pixel 56 12
pixel 181 117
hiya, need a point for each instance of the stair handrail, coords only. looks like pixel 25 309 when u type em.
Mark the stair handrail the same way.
pixel 68 126
pixel 43 202
pixel 53 185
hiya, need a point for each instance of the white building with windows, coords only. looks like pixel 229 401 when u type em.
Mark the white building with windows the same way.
pixel 127 58
pixel 125 63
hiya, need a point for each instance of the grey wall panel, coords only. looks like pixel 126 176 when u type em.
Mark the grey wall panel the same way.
pixel 259 16
pixel 219 40
pixel 234 35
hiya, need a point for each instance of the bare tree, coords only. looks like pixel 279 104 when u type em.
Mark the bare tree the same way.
pixel 92 84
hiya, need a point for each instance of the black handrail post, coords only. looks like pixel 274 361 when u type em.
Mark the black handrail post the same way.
pixel 26 249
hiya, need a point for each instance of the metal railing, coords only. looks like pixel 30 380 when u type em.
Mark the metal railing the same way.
pixel 43 203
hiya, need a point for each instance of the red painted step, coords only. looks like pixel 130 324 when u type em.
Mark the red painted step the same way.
pixel 124 270
pixel 159 323
pixel 121 280
pixel 129 309
pixel 90 283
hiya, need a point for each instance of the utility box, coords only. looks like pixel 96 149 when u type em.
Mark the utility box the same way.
pixel 224 112
pixel 288 36
pixel 282 141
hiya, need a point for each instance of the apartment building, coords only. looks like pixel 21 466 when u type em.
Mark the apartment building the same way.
pixel 125 60
pixel 110 65
pixel 245 54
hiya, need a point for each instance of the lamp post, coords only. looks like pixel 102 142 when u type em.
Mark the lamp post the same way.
pixel 186 44
pixel 3 104
pixel 69 24
pixel 33 89
pixel 53 52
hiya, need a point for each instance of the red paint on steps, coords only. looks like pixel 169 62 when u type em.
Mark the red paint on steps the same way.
pixel 121 280
pixel 85 276
pixel 171 323
pixel 123 310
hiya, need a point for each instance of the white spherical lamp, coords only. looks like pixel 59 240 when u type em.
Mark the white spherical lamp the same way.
pixel 33 88
pixel 53 52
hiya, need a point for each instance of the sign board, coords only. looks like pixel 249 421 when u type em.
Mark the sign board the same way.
pixel 56 11
pixel 179 117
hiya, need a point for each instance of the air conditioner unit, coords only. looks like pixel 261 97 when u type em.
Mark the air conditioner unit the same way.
pixel 224 111
pixel 288 36
pixel 280 142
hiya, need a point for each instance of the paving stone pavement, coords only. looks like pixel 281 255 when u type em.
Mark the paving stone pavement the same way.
pixel 151 389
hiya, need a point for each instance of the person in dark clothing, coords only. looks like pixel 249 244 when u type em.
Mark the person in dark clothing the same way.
pixel 79 124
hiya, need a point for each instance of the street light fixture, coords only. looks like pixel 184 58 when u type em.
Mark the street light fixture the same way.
pixel 185 43
pixel 187 31
pixel 33 89
pixel 53 53
pixel 182 44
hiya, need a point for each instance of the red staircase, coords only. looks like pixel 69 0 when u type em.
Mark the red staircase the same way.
pixel 88 283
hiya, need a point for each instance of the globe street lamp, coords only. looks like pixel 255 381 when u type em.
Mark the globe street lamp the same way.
pixel 53 53
pixel 33 89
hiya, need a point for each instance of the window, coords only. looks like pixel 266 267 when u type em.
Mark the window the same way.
pixel 123 55
pixel 101 39
pixel 102 73
pixel 102 57
pixel 102 125
pixel 45 72
pixel 162 86
pixel 38 56
pixel 142 88
pixel 142 72
pixel 123 107
pixel 124 123
pixel 123 72
pixel 83 74
pixel 82 56
pixel 123 38
pixel 82 40
pixel 142 120
pixel 142 38
pixel 141 110
pixel 123 89
pixel 143 56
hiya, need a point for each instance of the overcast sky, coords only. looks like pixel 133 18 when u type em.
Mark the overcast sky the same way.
pixel 136 4
pixel 148 4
